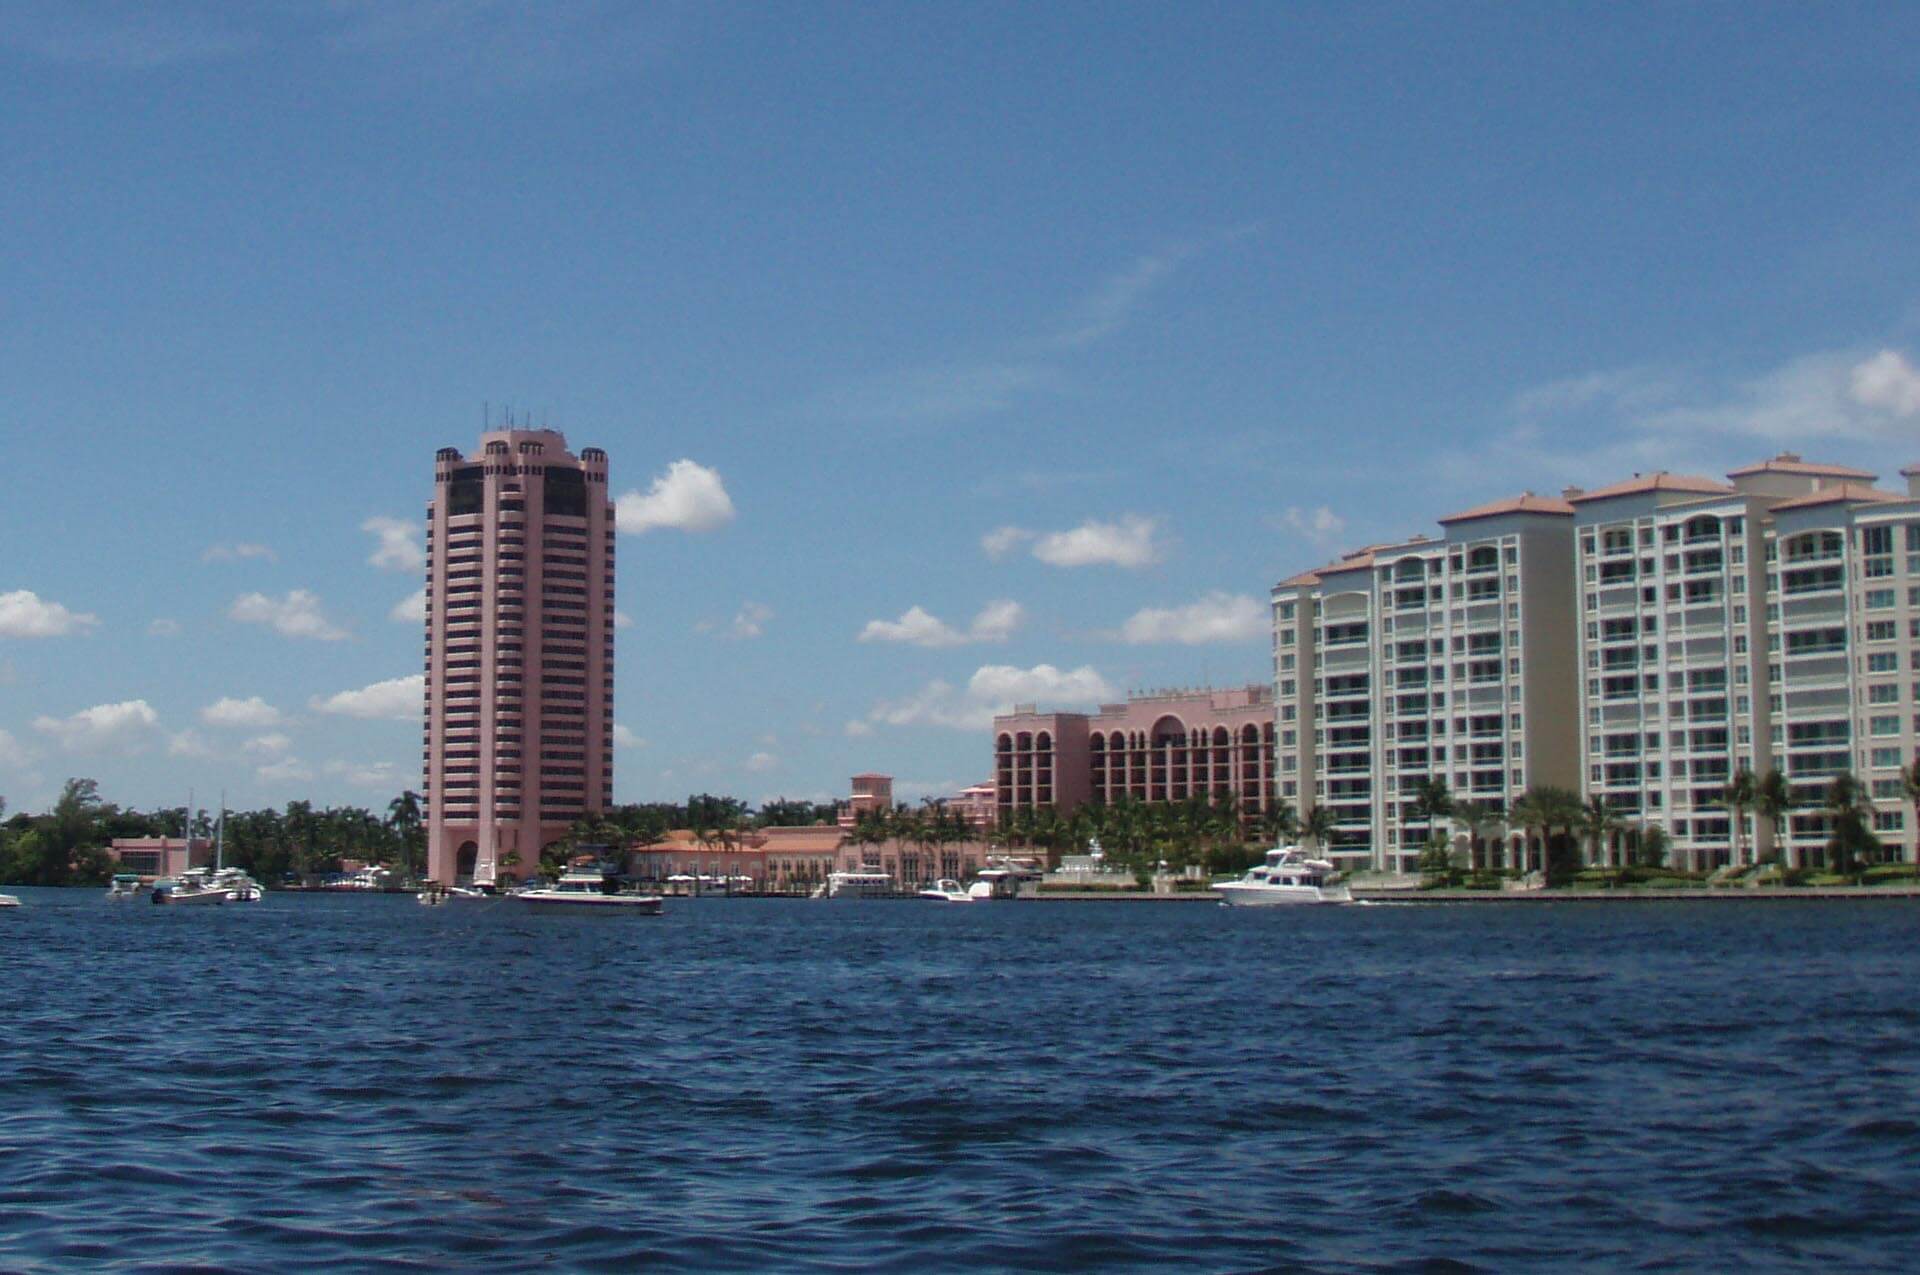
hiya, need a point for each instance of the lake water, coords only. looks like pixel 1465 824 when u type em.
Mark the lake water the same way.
pixel 360 1083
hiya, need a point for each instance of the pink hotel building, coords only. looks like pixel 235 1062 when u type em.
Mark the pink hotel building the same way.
pixel 519 654
pixel 1163 746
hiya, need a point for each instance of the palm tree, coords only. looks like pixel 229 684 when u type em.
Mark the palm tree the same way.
pixel 1317 827
pixel 1773 801
pixel 1738 797
pixel 1601 822
pixel 1430 800
pixel 1653 845
pixel 1851 839
pixel 1479 818
pixel 1910 785
pixel 1279 823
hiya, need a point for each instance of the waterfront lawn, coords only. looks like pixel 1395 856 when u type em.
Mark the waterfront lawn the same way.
pixel 1638 878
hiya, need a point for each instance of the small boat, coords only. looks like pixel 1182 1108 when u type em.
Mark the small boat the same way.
pixel 947 890
pixel 8 901
pixel 1006 878
pixel 587 890
pixel 1286 877
pixel 195 885
pixel 240 887
pixel 864 882
pixel 126 885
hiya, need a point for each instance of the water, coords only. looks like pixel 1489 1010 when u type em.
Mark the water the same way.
pixel 360 1083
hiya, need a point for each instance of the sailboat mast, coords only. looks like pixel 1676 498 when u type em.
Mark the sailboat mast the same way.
pixel 220 835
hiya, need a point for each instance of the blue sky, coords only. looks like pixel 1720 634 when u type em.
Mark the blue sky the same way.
pixel 1031 343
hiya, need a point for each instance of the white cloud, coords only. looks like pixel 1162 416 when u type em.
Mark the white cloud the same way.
pixel 376 774
pixel 411 609
pixel 251 713
pixel 189 743
pixel 297 615
pixel 1887 381
pixel 624 738
pixel 288 770
pixel 856 729
pixel 271 744
pixel 238 553
pixel 1319 524
pixel 23 614
pixel 1113 302
pixel 993 689
pixel 916 627
pixel 124 727
pixel 400 547
pixel 995 623
pixel 1217 617
pixel 748 622
pixel 761 762
pixel 163 628
pixel 1128 542
pixel 1002 541
pixel 621 620
pixel 14 754
pixel 1638 419
pixel 398 699
pixel 688 497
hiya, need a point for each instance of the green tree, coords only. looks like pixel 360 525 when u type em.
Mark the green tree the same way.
pixel 1851 842
pixel 1431 801
pixel 1317 827
pixel 1738 797
pixel 1774 801
pixel 1654 844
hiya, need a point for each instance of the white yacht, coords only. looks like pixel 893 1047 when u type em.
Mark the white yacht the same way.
pixel 126 885
pixel 586 890
pixel 239 885
pixel 1286 877
pixel 195 885
pixel 1007 878
pixel 864 882
pixel 947 890
pixel 8 901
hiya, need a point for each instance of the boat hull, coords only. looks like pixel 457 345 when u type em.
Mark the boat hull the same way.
pixel 601 904
pixel 1239 895
pixel 174 899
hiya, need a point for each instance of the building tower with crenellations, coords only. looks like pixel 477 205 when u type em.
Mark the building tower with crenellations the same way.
pixel 518 739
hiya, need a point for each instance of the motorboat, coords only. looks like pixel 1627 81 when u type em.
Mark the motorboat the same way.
pixel 194 886
pixel 867 881
pixel 239 885
pixel 1006 878
pixel 433 893
pixel 125 886
pixel 947 890
pixel 587 890
pixel 8 901
pixel 1286 876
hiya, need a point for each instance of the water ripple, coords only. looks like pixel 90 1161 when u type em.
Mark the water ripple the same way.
pixel 359 1084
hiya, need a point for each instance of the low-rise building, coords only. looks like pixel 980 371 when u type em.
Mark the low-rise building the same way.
pixel 1158 746
pixel 156 857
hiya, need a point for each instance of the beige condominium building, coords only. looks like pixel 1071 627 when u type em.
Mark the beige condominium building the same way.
pixel 1639 642
pixel 1766 622
pixel 1448 657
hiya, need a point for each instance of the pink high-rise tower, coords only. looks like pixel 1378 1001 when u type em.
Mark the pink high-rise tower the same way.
pixel 519 709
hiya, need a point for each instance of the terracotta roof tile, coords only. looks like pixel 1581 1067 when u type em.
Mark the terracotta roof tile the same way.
pixel 1525 503
pixel 1661 481
pixel 1788 463
pixel 1834 495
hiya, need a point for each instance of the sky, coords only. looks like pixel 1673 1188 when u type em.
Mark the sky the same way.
pixel 946 356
